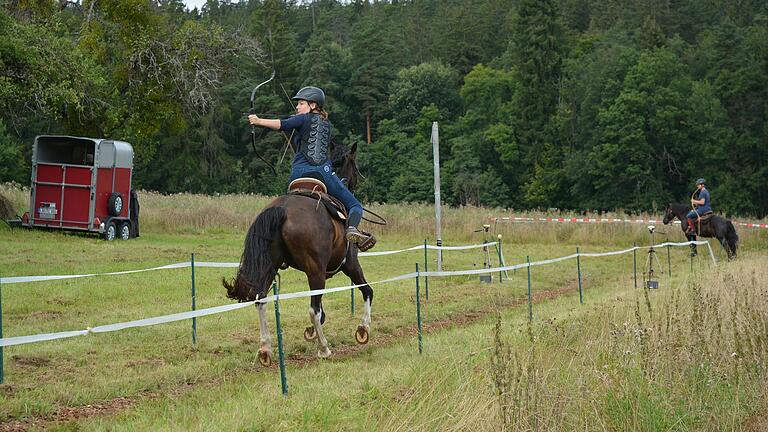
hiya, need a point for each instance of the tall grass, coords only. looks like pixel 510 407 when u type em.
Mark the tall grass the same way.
pixel 692 358
pixel 233 213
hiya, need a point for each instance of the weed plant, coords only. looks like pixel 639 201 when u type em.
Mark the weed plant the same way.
pixel 692 358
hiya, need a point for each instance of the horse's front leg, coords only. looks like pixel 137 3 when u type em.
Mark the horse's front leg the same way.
pixel 317 316
pixel 694 250
pixel 726 246
pixel 265 341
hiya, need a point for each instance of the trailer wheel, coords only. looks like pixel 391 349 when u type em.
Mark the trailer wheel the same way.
pixel 125 230
pixel 110 232
pixel 115 204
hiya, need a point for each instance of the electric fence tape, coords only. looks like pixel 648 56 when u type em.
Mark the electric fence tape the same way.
pixel 20 340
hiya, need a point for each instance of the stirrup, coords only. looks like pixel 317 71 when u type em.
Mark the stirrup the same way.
pixel 355 236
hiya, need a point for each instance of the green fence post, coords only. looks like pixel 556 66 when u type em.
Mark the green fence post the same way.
pixel 669 261
pixel 426 269
pixel 2 374
pixel 281 353
pixel 501 262
pixel 194 304
pixel 578 269
pixel 530 301
pixel 418 306
pixel 634 261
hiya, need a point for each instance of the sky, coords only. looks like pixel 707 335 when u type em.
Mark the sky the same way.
pixel 191 4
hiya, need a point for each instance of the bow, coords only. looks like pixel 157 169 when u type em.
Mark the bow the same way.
pixel 253 127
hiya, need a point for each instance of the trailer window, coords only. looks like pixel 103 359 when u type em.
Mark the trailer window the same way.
pixel 65 150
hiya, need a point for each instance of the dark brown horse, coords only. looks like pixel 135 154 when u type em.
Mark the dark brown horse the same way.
pixel 715 227
pixel 295 231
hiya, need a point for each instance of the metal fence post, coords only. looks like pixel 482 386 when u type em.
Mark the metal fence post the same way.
pixel 530 301
pixel 498 251
pixel 352 300
pixel 194 302
pixel 281 353
pixel 634 261
pixel 578 269
pixel 418 307
pixel 669 261
pixel 426 269
pixel 2 374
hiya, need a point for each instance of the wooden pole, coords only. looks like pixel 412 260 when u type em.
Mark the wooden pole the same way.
pixel 438 210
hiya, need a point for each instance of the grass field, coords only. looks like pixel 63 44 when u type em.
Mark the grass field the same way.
pixel 689 356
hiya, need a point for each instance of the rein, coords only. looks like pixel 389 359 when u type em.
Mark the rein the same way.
pixel 380 221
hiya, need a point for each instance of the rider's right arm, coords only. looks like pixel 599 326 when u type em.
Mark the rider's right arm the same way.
pixel 292 122
pixel 267 123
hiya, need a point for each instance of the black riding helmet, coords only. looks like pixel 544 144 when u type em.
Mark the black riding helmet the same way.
pixel 311 94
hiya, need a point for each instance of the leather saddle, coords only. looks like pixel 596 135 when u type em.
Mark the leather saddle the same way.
pixel 706 216
pixel 312 186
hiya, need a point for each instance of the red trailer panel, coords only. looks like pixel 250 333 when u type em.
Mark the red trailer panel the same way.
pixel 83 184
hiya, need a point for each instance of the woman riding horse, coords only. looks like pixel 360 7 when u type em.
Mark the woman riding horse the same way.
pixel 313 142
pixel 296 230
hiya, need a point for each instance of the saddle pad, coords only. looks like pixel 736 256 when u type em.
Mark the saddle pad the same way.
pixel 307 183
pixel 706 216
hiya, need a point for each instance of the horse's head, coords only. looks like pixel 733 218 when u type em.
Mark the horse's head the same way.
pixel 668 214
pixel 345 165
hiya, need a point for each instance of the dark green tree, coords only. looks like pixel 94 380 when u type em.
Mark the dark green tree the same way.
pixel 537 56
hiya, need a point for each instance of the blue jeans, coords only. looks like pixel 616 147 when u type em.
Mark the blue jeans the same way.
pixel 334 185
pixel 692 214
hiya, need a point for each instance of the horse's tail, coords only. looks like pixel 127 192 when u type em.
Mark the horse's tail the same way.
pixel 256 267
pixel 732 237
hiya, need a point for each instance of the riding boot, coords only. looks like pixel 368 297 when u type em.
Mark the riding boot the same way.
pixel 353 234
pixel 691 229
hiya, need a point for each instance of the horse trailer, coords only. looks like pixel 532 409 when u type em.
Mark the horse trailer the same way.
pixel 83 184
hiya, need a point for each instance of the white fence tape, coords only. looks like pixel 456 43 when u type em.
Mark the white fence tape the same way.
pixel 20 279
pixel 20 340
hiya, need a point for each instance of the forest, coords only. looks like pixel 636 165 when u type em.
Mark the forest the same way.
pixel 585 105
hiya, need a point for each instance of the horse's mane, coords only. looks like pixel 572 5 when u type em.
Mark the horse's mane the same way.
pixel 678 207
pixel 338 151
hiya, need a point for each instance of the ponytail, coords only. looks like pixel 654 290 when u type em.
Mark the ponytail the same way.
pixel 320 111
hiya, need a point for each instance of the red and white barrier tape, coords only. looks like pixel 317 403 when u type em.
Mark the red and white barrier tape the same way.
pixel 604 221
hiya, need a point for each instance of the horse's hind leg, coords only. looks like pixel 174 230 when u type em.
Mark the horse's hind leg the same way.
pixel 265 342
pixel 317 315
pixel 355 273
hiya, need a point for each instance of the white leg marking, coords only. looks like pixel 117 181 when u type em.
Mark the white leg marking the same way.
pixel 322 344
pixel 366 321
pixel 266 337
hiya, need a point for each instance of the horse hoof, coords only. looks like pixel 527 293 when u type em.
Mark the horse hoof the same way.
pixel 361 335
pixel 265 358
pixel 310 334
pixel 324 353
